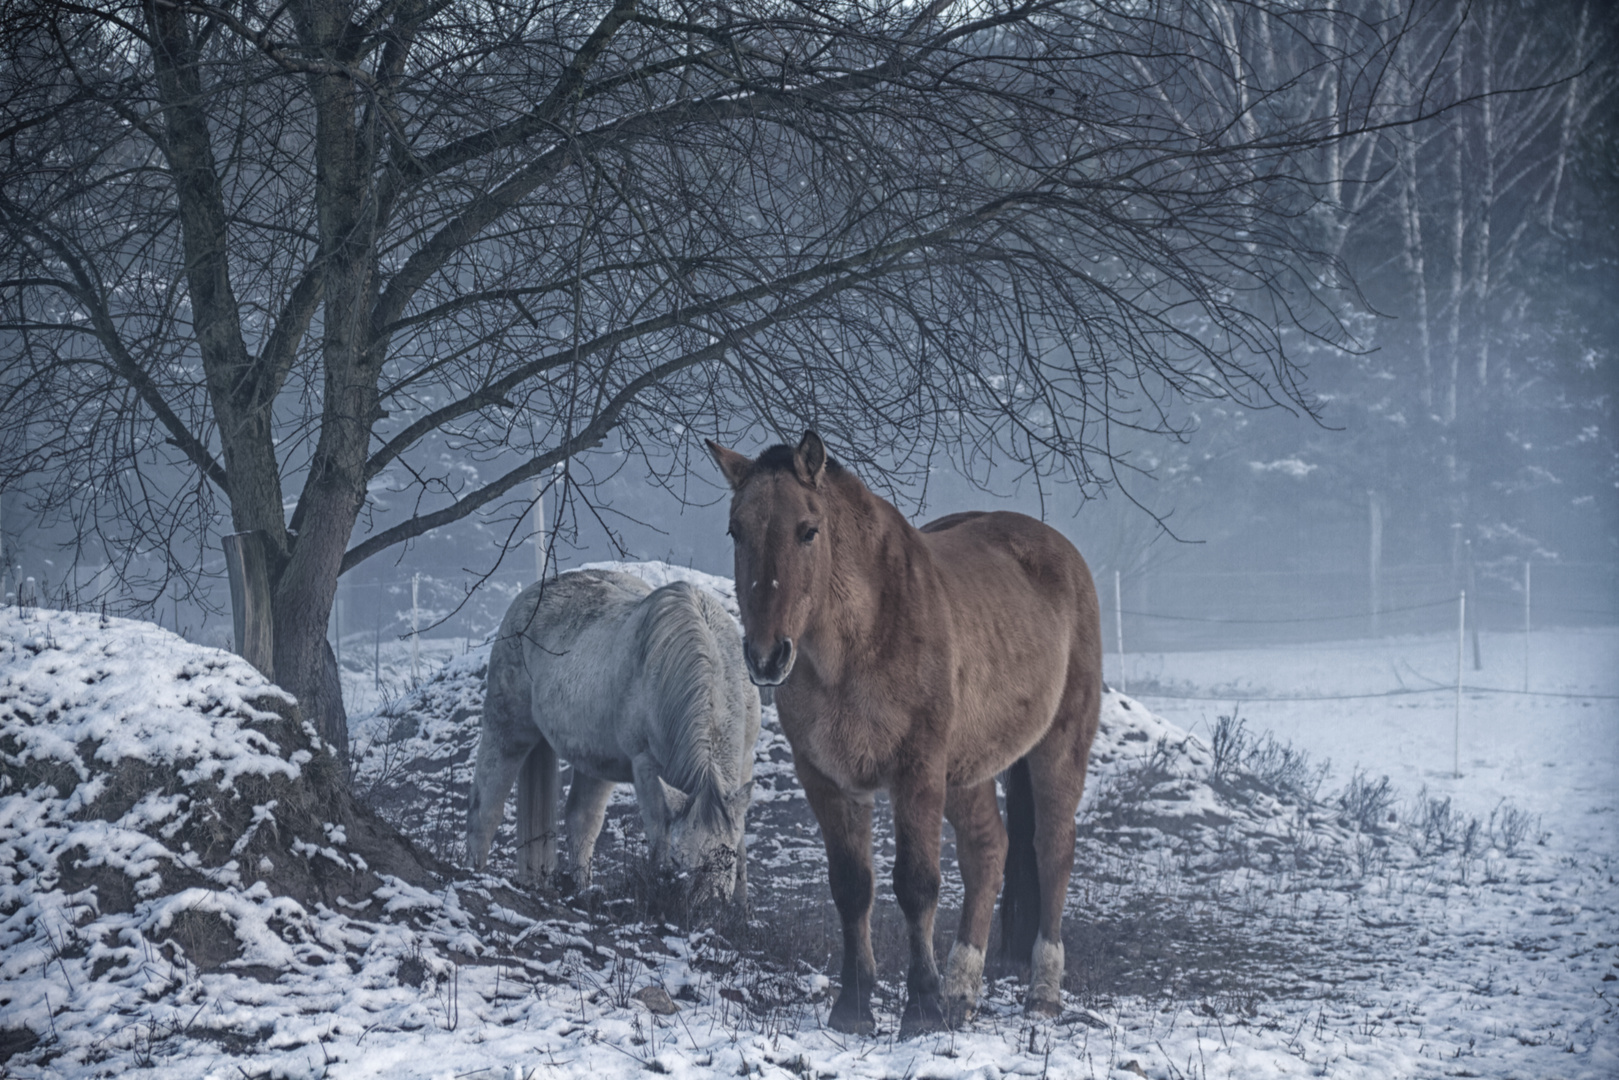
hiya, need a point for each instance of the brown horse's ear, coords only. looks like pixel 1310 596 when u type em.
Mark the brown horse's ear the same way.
pixel 732 464
pixel 809 460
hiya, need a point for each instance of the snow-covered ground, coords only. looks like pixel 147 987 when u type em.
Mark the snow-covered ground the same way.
pixel 1228 928
pixel 1554 750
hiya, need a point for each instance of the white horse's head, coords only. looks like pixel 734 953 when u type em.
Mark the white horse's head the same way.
pixel 700 839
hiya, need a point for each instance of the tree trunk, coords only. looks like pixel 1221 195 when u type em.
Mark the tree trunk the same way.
pixel 334 490
pixel 251 615
pixel 1416 263
pixel 304 662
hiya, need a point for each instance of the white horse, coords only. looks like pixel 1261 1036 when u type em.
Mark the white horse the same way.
pixel 628 685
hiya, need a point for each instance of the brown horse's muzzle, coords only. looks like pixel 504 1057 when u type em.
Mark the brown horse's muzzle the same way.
pixel 772 670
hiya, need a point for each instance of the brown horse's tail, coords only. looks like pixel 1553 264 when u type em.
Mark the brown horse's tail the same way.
pixel 1020 895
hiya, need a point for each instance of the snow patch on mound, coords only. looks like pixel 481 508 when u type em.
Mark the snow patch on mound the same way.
pixel 129 690
pixel 172 832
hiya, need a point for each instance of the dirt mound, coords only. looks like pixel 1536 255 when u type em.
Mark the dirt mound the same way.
pixel 165 812
pixel 1227 802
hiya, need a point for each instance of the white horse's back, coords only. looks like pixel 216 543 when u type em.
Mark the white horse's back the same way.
pixel 572 659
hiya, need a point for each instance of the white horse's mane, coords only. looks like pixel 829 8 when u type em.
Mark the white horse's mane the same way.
pixel 678 639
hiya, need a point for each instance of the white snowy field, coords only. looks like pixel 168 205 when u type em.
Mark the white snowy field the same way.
pixel 1551 750
pixel 1415 948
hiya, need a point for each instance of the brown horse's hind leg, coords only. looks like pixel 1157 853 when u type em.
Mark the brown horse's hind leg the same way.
pixel 981 855
pixel 1057 777
pixel 846 831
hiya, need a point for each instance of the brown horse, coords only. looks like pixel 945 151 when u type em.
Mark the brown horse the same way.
pixel 924 662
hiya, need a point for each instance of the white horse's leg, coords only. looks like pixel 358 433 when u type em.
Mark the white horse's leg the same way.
pixel 656 813
pixel 583 814
pixel 537 813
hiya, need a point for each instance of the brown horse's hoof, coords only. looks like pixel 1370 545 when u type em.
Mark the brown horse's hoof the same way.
pixel 1042 1007
pixel 922 1015
pixel 957 1011
pixel 852 1019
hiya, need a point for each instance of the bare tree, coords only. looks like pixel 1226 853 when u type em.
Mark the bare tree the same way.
pixel 314 251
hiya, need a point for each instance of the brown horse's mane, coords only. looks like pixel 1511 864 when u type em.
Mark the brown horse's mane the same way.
pixel 779 458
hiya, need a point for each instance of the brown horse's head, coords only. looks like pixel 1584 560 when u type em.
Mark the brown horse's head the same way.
pixel 778 510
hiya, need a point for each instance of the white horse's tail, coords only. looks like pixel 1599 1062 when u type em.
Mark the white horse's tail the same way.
pixel 510 748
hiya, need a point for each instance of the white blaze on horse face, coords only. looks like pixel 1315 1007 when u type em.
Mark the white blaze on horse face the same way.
pixel 776 524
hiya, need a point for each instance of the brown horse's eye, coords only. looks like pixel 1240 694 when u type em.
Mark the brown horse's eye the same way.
pixel 809 534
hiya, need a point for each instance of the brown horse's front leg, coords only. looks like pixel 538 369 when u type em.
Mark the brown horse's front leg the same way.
pixel 918 821
pixel 846 831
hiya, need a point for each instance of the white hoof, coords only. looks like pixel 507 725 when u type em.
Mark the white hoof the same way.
pixel 1045 977
pixel 963 979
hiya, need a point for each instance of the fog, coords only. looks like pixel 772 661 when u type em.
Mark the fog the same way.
pixel 1258 527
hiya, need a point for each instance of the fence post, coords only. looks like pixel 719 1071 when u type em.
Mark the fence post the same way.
pixel 415 636
pixel 376 643
pixel 1478 660
pixel 539 529
pixel 251 624
pixel 1118 625
pixel 1461 652
pixel 1526 611
pixel 1375 510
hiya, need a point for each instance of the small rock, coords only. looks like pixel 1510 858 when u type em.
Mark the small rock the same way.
pixel 656 999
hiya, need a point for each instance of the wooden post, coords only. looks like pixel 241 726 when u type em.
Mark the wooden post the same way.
pixel 1526 610
pixel 248 566
pixel 1461 652
pixel 415 637
pixel 1118 624
pixel 1375 505
pixel 337 624
pixel 539 529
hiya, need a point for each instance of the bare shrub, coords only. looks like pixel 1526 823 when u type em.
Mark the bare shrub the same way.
pixel 1437 826
pixel 1367 804
pixel 1122 802
pixel 1280 769
pixel 1509 826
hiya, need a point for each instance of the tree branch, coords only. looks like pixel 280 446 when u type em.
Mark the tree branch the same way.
pixel 86 291
pixel 497 391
